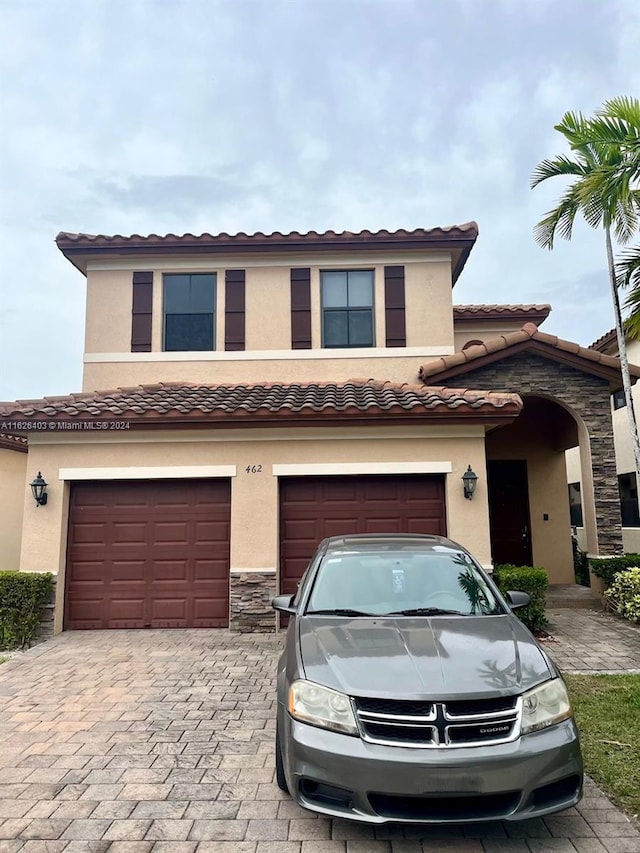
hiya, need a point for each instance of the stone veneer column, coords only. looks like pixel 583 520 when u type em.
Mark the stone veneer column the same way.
pixel 586 395
pixel 250 595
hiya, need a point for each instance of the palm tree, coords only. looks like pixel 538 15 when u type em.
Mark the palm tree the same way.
pixel 605 166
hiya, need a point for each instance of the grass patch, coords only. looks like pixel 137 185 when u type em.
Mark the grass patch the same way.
pixel 3 659
pixel 607 709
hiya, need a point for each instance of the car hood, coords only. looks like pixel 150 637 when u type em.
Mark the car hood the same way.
pixel 439 657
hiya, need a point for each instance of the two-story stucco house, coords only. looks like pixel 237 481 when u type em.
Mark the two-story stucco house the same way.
pixel 245 396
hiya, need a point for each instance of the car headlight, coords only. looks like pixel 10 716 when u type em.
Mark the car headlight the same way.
pixel 320 706
pixel 545 706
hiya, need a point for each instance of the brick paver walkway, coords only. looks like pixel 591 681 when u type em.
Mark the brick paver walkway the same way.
pixel 136 741
pixel 589 641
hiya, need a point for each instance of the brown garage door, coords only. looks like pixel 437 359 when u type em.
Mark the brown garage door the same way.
pixel 148 554
pixel 312 508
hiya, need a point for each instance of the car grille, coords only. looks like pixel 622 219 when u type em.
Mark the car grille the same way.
pixel 449 808
pixel 424 724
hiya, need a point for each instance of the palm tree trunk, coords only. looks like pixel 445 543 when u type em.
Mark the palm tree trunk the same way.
pixel 622 350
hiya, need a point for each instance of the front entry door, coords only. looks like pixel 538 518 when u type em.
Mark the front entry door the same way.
pixel 509 521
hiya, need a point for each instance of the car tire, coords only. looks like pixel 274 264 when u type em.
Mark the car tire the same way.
pixel 281 779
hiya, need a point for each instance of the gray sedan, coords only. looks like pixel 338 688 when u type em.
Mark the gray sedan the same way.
pixel 408 691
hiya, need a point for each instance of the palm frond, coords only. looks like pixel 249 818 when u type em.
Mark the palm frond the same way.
pixel 561 165
pixel 623 108
pixel 559 220
pixel 628 273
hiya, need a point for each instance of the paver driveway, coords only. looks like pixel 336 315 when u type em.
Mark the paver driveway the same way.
pixel 163 740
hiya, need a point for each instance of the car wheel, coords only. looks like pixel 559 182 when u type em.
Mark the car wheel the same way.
pixel 281 779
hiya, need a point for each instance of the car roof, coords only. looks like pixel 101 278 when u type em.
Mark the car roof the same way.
pixel 401 541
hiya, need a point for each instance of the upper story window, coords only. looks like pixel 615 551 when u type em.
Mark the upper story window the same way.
pixel 347 308
pixel 629 500
pixel 618 399
pixel 189 306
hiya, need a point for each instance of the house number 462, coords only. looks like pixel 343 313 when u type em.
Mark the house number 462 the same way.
pixel 253 469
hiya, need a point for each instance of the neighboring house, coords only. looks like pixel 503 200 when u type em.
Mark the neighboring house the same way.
pixel 13 472
pixel 256 393
pixel 625 464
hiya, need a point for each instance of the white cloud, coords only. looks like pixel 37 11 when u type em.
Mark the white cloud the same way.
pixel 195 115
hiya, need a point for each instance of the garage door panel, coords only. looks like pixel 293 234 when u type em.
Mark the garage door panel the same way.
pixel 156 549
pixel 209 570
pixel 313 508
pixel 127 531
pixel 210 532
pixel 170 532
pixel 127 571
pixel 89 532
pixel 383 525
pixel 169 570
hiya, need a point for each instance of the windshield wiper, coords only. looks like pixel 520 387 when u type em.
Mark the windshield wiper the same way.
pixel 344 611
pixel 427 611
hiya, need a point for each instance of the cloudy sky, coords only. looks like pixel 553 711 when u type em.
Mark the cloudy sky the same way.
pixel 124 116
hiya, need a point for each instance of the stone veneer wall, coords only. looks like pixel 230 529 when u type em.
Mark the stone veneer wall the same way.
pixel 250 595
pixel 589 397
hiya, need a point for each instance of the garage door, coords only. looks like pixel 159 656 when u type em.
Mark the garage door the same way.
pixel 148 554
pixel 312 508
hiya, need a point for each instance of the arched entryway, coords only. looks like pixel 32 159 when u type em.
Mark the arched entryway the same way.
pixel 527 486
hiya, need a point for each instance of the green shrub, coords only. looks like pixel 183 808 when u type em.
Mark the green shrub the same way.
pixel 23 595
pixel 608 567
pixel 624 594
pixel 533 581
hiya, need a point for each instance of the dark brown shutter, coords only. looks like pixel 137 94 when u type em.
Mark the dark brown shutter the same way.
pixel 394 309
pixel 234 325
pixel 301 308
pixel 141 312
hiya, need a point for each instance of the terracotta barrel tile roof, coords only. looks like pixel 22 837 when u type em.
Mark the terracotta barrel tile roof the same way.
pixel 13 442
pixel 263 401
pixel 458 239
pixel 523 313
pixel 605 341
pixel 531 338
pixel 469 230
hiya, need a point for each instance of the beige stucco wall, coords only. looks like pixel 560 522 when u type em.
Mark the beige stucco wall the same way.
pixel 268 309
pixel 108 311
pixel 13 485
pixel 254 511
pixel 428 297
pixel 479 331
pixel 317 368
pixel 429 304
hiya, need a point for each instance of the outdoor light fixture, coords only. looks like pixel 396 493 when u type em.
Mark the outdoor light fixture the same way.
pixel 39 489
pixel 469 480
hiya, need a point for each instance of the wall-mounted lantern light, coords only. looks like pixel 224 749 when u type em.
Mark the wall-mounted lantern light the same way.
pixel 469 480
pixel 39 489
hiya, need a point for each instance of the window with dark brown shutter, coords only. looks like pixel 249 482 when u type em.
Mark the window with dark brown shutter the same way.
pixel 234 310
pixel 394 306
pixel 301 308
pixel 141 312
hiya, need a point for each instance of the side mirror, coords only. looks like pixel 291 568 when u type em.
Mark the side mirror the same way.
pixel 284 603
pixel 518 599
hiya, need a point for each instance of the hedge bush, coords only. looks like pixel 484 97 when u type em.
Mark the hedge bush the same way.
pixel 624 594
pixel 533 581
pixel 23 596
pixel 608 567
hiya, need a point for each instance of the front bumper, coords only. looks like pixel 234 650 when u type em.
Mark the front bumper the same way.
pixel 344 776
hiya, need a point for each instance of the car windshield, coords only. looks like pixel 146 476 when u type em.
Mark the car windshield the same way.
pixel 401 582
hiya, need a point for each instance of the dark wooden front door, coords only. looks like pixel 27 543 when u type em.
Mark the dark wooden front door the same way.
pixel 509 512
pixel 312 508
pixel 148 554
